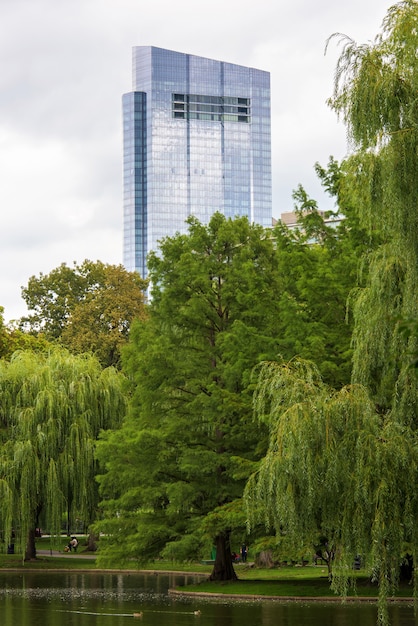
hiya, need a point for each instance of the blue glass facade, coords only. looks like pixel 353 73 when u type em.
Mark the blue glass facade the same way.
pixel 197 140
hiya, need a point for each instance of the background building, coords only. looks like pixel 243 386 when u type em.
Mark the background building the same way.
pixel 290 219
pixel 197 140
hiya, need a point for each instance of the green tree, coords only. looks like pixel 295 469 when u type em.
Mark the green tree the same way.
pixel 319 267
pixel 316 280
pixel 226 296
pixel 376 95
pixel 370 429
pixel 100 322
pixel 177 468
pixel 52 407
pixel 303 484
pixel 87 307
pixel 50 298
pixel 3 334
pixel 13 339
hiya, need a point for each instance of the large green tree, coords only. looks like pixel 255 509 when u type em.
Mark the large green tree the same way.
pixel 176 470
pixel 52 408
pixel 376 95
pixel 319 475
pixel 225 297
pixel 87 307
pixel 319 266
pixel 360 484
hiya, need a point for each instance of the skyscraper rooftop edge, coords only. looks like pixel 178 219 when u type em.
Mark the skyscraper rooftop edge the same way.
pixel 152 47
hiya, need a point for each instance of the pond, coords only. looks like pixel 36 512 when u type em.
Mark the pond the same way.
pixel 97 599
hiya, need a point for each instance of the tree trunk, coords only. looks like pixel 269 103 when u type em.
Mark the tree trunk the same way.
pixel 223 568
pixel 92 542
pixel 265 559
pixel 30 553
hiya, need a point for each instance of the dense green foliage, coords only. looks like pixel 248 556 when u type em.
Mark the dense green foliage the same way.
pixel 319 268
pixel 376 94
pixel 13 339
pixel 52 407
pixel 86 308
pixel 190 441
pixel 244 318
pixel 345 463
pixel 225 297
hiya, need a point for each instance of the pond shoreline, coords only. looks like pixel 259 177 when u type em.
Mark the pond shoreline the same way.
pixel 211 595
pixel 309 599
pixel 81 570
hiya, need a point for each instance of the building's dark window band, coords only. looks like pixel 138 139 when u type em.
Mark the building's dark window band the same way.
pixel 211 108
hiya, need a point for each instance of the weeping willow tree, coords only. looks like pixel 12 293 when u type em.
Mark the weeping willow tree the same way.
pixel 376 93
pixel 345 463
pixel 52 408
pixel 335 467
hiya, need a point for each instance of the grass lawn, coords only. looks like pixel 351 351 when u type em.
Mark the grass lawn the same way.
pixel 76 561
pixel 13 561
pixel 58 543
pixel 295 587
pixel 302 582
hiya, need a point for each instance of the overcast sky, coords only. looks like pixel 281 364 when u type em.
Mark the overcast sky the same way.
pixel 64 65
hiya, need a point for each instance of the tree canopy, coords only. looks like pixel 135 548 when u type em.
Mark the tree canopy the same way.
pixel 190 442
pixel 319 267
pixel 359 487
pixel 87 307
pixel 13 339
pixel 52 407
pixel 224 297
pixel 375 92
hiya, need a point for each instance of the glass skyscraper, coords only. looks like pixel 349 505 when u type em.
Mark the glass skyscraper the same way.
pixel 197 140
